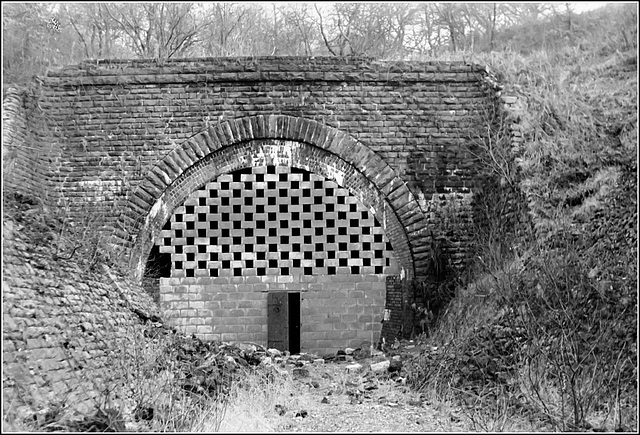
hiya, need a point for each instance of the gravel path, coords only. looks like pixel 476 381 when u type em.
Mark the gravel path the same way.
pixel 337 398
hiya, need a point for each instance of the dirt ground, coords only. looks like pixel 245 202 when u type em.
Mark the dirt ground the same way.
pixel 342 399
pixel 357 395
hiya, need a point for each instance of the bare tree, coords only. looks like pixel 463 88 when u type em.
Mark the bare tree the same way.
pixel 372 29
pixel 97 32
pixel 34 37
pixel 492 28
pixel 424 36
pixel 450 17
pixel 301 33
pixel 225 21
pixel 323 31
pixel 158 30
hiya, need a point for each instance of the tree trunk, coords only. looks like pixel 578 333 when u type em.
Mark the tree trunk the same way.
pixel 493 28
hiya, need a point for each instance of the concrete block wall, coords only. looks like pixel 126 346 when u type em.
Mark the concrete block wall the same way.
pixel 336 311
pixel 274 220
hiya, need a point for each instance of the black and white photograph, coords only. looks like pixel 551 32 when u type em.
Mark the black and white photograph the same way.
pixel 317 217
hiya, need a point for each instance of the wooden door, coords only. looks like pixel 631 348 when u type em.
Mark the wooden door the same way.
pixel 278 321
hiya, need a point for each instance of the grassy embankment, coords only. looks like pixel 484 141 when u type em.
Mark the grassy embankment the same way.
pixel 545 327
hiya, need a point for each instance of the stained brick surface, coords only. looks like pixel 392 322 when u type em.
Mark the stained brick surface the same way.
pixel 112 123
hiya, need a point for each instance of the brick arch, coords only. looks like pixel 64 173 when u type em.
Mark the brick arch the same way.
pixel 273 139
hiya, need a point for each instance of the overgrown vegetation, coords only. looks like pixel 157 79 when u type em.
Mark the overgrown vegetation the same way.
pixel 545 327
pixel 159 380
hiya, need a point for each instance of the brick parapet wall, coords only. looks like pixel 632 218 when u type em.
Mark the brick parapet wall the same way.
pixel 415 126
pixel 336 311
pixel 252 69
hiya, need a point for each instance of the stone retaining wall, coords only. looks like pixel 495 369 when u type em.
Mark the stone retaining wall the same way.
pixel 61 324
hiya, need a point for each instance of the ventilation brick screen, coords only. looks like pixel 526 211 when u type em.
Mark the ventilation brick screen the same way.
pixel 274 221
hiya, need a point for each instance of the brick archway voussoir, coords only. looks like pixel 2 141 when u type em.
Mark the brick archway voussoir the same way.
pixel 340 143
pixel 189 153
pixel 315 131
pixel 236 130
pixel 372 166
pixel 218 135
pixel 392 185
pixel 193 149
pixel 182 158
pixel 298 129
pixel 204 141
pixel 229 132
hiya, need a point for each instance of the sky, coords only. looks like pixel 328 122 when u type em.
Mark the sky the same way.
pixel 587 6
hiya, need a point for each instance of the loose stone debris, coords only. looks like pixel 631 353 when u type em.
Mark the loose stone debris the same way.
pixel 207 369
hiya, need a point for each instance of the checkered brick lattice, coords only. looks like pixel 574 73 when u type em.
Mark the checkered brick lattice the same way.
pixel 274 221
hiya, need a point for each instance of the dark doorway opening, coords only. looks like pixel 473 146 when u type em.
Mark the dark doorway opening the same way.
pixel 283 321
pixel 158 266
pixel 294 323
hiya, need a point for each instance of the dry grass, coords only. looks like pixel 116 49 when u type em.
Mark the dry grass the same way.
pixel 564 309
pixel 253 400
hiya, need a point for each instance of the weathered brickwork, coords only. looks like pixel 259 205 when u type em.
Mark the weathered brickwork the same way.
pixel 285 154
pixel 60 324
pixel 165 188
pixel 336 311
pixel 119 118
pixel 392 327
pixel 128 144
pixel 27 156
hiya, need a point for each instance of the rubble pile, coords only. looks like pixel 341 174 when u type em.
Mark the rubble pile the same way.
pixel 207 368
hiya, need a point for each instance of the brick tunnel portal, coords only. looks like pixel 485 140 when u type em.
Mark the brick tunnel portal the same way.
pixel 276 255
pixel 279 242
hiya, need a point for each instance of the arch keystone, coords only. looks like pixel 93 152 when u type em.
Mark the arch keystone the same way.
pixel 214 141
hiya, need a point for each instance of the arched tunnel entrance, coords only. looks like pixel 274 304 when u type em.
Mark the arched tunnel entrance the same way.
pixel 275 255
